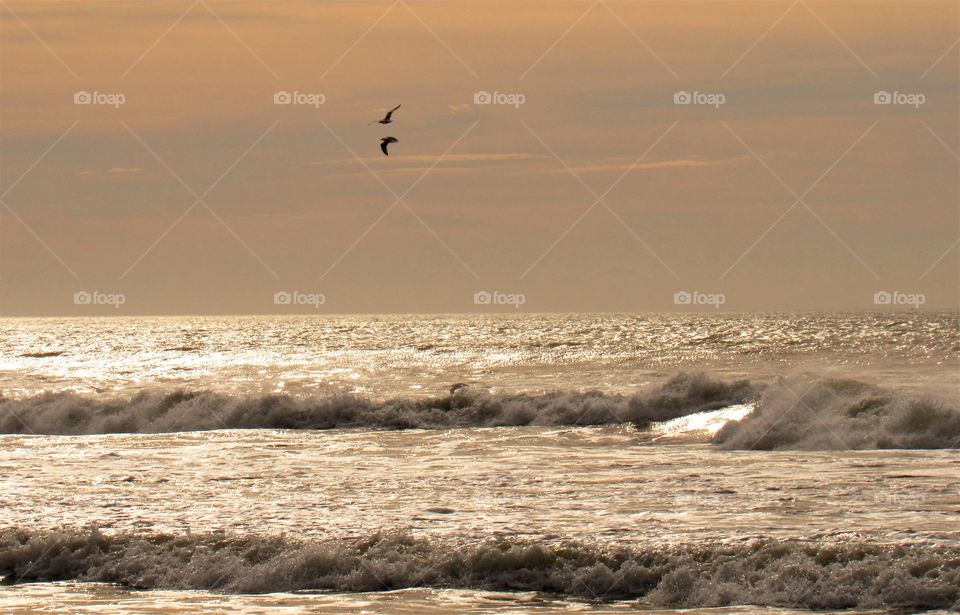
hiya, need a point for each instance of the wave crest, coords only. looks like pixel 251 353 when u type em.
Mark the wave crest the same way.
pixel 465 406
pixel 842 414
pixel 799 413
pixel 797 574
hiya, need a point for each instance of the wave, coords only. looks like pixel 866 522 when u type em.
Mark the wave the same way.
pixel 43 354
pixel 839 414
pixel 465 406
pixel 697 427
pixel 800 413
pixel 799 574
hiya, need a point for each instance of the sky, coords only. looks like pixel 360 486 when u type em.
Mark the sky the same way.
pixel 544 159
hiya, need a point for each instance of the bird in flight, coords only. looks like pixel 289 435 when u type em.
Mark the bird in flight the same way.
pixel 388 117
pixel 384 142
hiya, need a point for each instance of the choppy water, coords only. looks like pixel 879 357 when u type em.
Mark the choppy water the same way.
pixel 522 491
pixel 403 355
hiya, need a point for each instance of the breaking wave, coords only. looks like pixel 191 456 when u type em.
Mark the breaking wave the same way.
pixel 841 414
pixel 801 413
pixel 465 406
pixel 813 575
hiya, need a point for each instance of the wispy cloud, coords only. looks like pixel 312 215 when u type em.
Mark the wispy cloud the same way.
pixel 466 163
pixel 623 165
pixel 111 171
pixel 418 163
pixel 449 159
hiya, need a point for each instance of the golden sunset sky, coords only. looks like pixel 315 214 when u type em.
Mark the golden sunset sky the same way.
pixel 199 194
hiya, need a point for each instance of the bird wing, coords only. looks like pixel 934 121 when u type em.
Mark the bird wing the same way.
pixel 383 146
pixel 390 112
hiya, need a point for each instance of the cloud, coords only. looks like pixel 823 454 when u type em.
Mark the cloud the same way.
pixel 111 171
pixel 453 164
pixel 419 170
pixel 450 158
pixel 677 163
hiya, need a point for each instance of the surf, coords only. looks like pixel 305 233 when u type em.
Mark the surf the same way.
pixel 762 572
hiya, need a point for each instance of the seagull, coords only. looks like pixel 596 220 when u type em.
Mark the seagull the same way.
pixel 387 119
pixel 384 142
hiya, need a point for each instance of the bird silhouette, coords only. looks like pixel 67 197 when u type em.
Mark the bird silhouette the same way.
pixel 384 142
pixel 388 118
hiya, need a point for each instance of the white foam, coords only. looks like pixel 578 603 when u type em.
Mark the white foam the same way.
pixel 701 425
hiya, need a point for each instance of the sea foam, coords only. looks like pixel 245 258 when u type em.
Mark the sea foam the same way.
pixel 154 412
pixel 814 414
pixel 799 413
pixel 800 574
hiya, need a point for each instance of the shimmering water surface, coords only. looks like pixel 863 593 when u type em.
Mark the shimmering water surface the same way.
pixel 604 485
pixel 409 355
pixel 604 482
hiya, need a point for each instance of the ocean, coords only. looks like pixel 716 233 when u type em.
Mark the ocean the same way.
pixel 611 463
